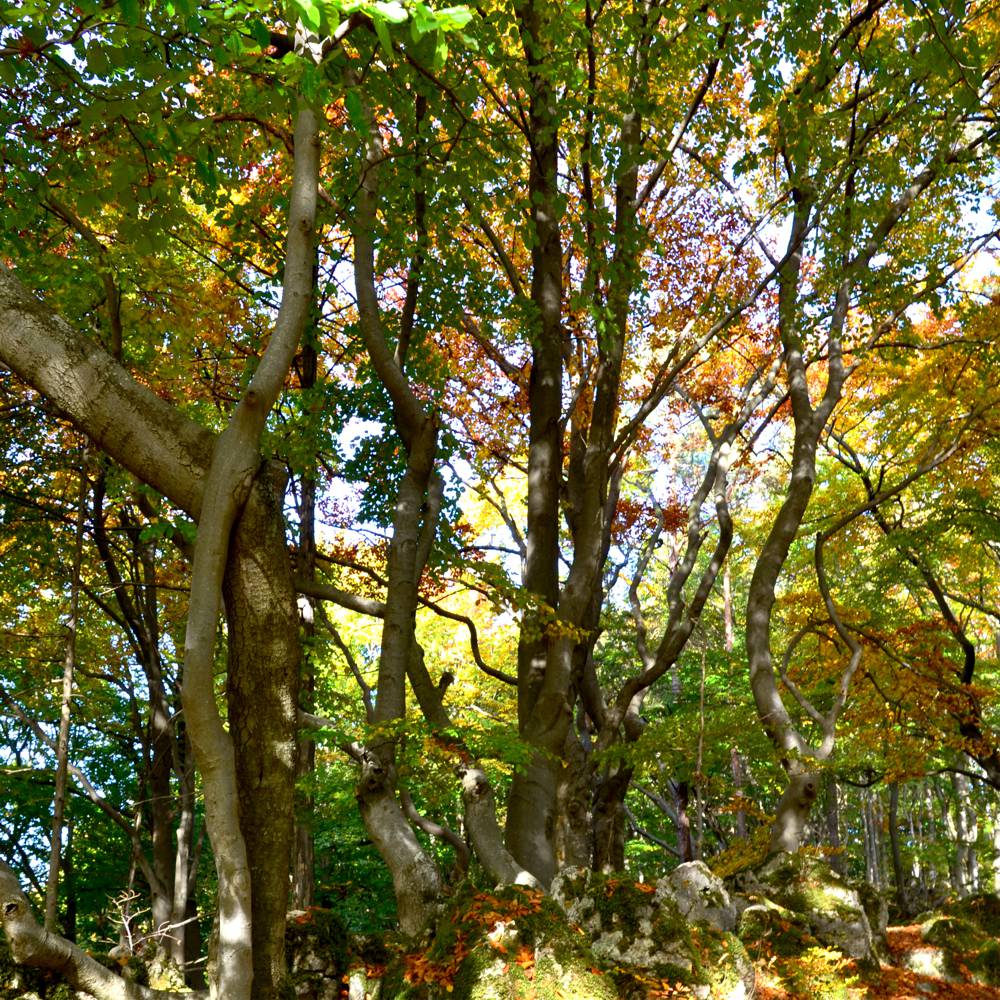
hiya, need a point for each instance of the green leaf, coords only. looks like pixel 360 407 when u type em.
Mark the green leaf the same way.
pixel 130 10
pixel 451 18
pixel 423 21
pixel 354 110
pixel 98 63
pixel 260 33
pixel 383 35
pixel 440 50
pixel 309 14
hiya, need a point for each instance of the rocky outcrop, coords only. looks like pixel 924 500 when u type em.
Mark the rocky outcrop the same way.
pixel 700 896
pixel 678 930
pixel 316 948
pixel 960 942
pixel 501 945
pixel 824 903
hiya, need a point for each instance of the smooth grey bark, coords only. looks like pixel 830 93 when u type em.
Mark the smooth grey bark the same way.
pixel 416 879
pixel 246 961
pixel 129 422
pixel 963 827
pixel 175 456
pixel 792 812
pixel 484 831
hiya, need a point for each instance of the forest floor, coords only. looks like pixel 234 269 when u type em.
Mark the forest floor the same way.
pixel 891 982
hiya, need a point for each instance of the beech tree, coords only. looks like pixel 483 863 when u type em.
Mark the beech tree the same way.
pixel 851 217
pixel 664 212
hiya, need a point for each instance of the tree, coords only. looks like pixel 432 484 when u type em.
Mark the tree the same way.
pixel 635 160
pixel 174 455
pixel 844 204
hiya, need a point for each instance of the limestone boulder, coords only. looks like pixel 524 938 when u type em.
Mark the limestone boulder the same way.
pixel 643 928
pixel 831 907
pixel 700 896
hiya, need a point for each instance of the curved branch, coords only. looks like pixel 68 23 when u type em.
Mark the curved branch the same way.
pixel 235 461
pixel 32 945
pixel 436 830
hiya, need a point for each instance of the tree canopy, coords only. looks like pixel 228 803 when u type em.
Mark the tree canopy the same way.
pixel 569 430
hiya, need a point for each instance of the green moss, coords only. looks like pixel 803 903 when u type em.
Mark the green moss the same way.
pixel 770 928
pixel 619 903
pixel 485 974
pixel 720 957
pixel 966 935
pixel 951 933
pixel 985 964
pixel 984 911
pixel 553 981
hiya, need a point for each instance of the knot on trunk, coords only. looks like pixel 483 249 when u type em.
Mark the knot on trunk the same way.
pixel 374 775
pixel 475 785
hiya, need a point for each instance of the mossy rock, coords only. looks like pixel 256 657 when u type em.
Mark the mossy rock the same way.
pixel 316 943
pixel 806 884
pixel 510 943
pixel 768 929
pixel 984 911
pixel 951 933
pixel 700 895
pixel 640 930
pixel 833 908
pixel 517 943
pixel 782 942
pixel 969 950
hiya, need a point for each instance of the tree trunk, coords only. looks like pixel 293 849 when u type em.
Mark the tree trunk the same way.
pixel 31 944
pixel 962 827
pixel 610 819
pixel 207 476
pixel 184 862
pixel 838 860
pixel 574 801
pixel 898 875
pixel 303 868
pixel 263 679
pixel 531 806
pixel 738 770
pixel 69 886
pixel 995 822
pixel 682 796
pixel 793 811
pixel 415 878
